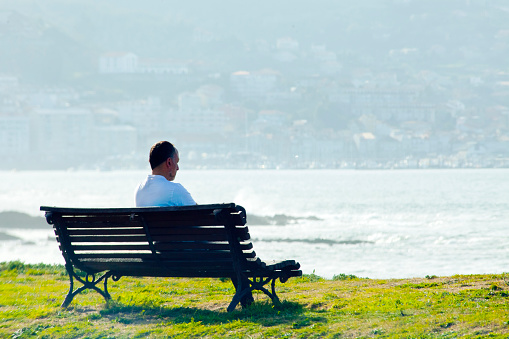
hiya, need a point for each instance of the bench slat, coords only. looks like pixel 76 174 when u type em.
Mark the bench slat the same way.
pixel 144 270
pixel 99 223
pixel 107 238
pixel 130 247
pixel 197 237
pixel 109 257
pixel 182 223
pixel 181 215
pixel 104 219
pixel 199 245
pixel 107 231
pixel 154 219
pixel 186 231
pixel 192 258
pixel 83 224
pixel 72 223
pixel 109 211
pixel 175 270
pixel 123 251
pixel 114 263
pixel 197 255
pixel 153 232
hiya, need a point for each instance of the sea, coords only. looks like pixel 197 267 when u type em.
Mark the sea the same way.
pixel 368 223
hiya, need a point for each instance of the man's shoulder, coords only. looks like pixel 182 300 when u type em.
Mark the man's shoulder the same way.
pixel 178 186
pixel 175 186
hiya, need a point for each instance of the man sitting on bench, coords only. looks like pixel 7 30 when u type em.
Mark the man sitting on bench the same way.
pixel 158 189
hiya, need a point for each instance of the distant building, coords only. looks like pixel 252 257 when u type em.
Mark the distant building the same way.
pixel 396 104
pixel 203 122
pixel 8 82
pixel 189 101
pixel 254 85
pixel 287 48
pixel 366 145
pixel 63 132
pixel 161 66
pixel 321 54
pixel 122 62
pixel 211 95
pixel 14 135
pixel 311 151
pixel 271 118
pixel 146 115
pixel 52 97
pixel 285 56
pixel 114 140
pixel 128 63
pixel 287 44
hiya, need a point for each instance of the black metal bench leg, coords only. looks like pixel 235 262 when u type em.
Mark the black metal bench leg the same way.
pixel 238 297
pixel 70 295
pixel 243 293
pixel 275 298
pixel 258 285
pixel 106 294
pixel 86 285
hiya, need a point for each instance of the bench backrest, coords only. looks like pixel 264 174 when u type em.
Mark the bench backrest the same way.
pixel 190 241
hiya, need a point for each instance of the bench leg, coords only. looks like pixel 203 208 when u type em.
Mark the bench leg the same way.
pixel 244 291
pixel 87 284
pixel 258 284
pixel 70 295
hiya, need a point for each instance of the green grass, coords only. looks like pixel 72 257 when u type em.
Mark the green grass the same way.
pixel 471 306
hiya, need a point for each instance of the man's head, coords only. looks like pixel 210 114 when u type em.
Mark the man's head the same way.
pixel 164 159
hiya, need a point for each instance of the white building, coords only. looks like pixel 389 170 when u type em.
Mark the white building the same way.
pixel 14 135
pixel 128 63
pixel 122 62
pixel 385 104
pixel 114 140
pixel 254 85
pixel 8 82
pixel 189 101
pixel 287 44
pixel 63 132
pixel 146 115
pixel 211 95
pixel 196 122
pixel 366 144
pixel 271 118
pixel 162 66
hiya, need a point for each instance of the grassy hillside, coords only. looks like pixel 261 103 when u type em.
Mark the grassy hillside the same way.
pixel 345 307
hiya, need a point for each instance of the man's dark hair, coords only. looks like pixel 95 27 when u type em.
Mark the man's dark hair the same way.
pixel 160 152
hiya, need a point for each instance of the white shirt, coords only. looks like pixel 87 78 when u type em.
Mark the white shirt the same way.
pixel 157 191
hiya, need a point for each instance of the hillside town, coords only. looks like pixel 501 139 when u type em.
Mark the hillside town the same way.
pixel 300 105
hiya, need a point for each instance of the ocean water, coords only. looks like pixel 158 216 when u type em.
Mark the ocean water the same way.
pixel 376 224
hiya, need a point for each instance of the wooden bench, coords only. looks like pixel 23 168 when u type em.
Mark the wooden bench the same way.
pixel 191 241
